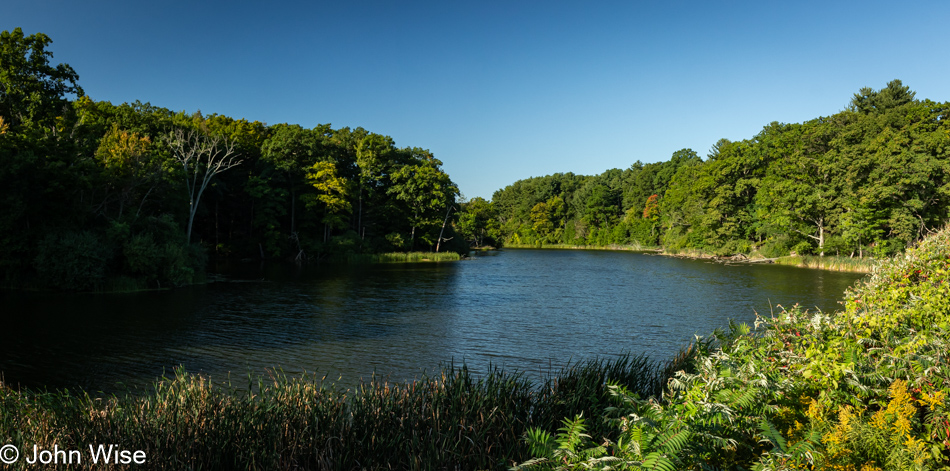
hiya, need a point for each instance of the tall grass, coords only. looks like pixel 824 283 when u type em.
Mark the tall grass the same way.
pixel 396 257
pixel 634 247
pixel 124 284
pixel 834 263
pixel 454 420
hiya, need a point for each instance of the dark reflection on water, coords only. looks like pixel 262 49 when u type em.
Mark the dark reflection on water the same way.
pixel 521 309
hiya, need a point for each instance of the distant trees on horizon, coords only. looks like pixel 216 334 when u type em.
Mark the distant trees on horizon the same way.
pixel 872 179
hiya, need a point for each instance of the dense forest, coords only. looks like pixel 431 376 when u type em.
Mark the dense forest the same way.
pixel 872 179
pixel 101 196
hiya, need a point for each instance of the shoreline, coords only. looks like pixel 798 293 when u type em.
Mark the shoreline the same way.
pixel 614 248
pixel 829 263
pixel 122 284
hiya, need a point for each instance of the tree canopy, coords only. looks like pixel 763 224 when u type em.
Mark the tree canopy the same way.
pixel 872 179
pixel 97 194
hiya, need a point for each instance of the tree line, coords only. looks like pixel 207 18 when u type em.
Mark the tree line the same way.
pixel 96 194
pixel 870 180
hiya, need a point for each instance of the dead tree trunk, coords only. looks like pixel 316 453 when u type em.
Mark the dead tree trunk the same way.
pixel 201 158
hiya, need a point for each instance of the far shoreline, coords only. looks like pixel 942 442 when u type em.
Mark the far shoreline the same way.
pixel 828 263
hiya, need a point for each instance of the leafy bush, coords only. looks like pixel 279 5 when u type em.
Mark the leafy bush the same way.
pixel 396 240
pixel 887 248
pixel 836 245
pixel 345 244
pixel 159 254
pixel 863 389
pixel 743 246
pixel 643 231
pixel 72 261
pixel 775 247
pixel 143 257
pixel 803 248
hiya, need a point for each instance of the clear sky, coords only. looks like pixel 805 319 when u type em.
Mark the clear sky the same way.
pixel 501 91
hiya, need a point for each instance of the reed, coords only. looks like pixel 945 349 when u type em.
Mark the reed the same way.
pixel 453 420
pixel 397 257
pixel 834 263
pixel 124 284
pixel 634 247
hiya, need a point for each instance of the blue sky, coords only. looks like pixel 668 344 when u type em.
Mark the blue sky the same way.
pixel 501 91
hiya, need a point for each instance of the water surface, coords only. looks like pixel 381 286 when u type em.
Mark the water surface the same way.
pixel 531 310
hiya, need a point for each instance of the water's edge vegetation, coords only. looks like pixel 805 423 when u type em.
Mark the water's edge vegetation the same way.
pixel 398 257
pixel 862 389
pixel 453 420
pixel 856 265
pixel 828 262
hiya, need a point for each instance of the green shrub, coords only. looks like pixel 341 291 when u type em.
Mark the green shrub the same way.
pixel 864 389
pixel 887 248
pixel 743 246
pixel 396 240
pixel 347 243
pixel 643 231
pixel 836 245
pixel 775 247
pixel 803 248
pixel 159 255
pixel 909 294
pixel 124 284
pixel 73 261
pixel 143 257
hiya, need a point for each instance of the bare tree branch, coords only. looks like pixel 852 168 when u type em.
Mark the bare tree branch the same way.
pixel 201 158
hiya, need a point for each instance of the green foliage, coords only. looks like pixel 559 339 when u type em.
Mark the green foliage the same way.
pixel 476 222
pixel 158 255
pixel 870 101
pixel 910 294
pixel 863 389
pixel 427 191
pixel 777 246
pixel 32 92
pixel 268 201
pixel 869 180
pixel 73 261
pixel 803 248
pixel 87 167
pixel 151 253
pixel 332 196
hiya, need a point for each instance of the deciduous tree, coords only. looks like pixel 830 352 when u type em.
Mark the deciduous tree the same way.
pixel 32 91
pixel 426 190
pixel 332 195
pixel 201 157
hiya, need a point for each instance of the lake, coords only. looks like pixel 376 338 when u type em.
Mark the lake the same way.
pixel 530 310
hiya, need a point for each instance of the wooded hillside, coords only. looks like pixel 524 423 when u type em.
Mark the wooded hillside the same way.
pixel 869 180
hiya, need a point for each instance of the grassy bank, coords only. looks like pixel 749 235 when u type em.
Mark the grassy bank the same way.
pixel 856 265
pixel 454 420
pixel 397 257
pixel 483 248
pixel 833 263
pixel 631 248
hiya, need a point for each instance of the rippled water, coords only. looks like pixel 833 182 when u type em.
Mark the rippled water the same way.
pixel 530 310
